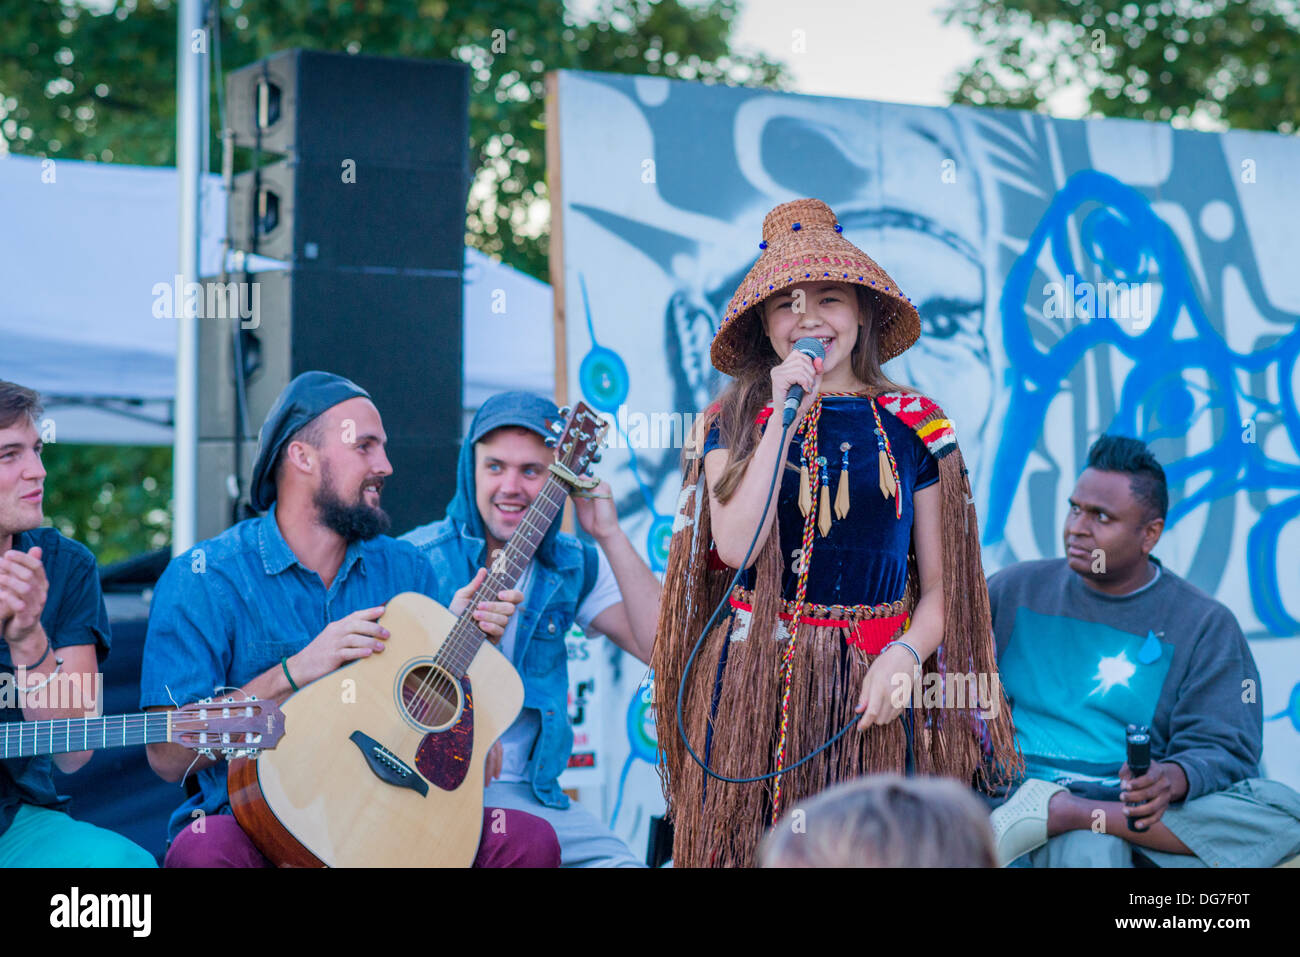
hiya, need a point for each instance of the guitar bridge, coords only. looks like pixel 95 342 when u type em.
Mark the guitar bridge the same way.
pixel 387 766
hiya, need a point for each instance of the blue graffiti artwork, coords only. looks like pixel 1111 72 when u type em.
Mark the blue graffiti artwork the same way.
pixel 1099 235
pixel 643 745
pixel 604 380
pixel 1292 709
pixel 1072 278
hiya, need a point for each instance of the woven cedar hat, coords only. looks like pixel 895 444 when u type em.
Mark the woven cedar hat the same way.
pixel 802 242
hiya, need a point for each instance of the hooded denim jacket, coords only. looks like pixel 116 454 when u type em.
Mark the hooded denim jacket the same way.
pixel 540 653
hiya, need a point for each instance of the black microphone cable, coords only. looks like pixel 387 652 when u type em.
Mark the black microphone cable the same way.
pixel 681 689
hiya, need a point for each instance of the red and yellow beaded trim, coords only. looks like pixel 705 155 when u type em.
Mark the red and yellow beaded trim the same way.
pixel 923 417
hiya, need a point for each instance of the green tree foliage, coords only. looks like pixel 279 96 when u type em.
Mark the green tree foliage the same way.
pixel 115 499
pixel 1234 63
pixel 97 80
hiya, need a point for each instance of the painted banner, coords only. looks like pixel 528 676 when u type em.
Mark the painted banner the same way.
pixel 1073 278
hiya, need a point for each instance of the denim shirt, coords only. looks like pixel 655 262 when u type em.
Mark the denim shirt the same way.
pixel 541 655
pixel 230 608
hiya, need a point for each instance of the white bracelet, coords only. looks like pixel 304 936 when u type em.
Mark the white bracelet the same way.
pixel 900 641
pixel 58 664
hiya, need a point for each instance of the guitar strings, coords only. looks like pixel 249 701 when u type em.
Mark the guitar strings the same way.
pixel 115 730
pixel 438 682
pixel 112 728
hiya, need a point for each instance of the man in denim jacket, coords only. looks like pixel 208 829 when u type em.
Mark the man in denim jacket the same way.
pixel 503 466
pixel 276 602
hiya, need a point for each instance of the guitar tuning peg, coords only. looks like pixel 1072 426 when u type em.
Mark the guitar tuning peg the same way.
pixel 595 458
pixel 550 442
pixel 564 412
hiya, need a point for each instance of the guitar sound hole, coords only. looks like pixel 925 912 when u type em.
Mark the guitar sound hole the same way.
pixel 431 696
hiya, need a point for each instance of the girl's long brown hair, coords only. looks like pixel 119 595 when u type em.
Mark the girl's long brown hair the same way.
pixel 751 389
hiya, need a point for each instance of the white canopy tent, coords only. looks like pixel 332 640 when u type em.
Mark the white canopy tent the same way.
pixel 85 247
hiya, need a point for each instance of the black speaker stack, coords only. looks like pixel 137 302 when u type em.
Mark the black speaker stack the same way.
pixel 359 182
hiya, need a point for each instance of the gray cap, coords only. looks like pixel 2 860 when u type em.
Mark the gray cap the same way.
pixel 521 409
pixel 302 400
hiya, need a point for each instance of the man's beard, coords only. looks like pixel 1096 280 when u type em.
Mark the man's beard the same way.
pixel 351 521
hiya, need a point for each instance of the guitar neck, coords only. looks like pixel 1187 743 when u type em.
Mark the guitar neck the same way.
pixel 504 572
pixel 24 739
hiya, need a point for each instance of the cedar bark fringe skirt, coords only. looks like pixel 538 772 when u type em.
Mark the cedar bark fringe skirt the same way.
pixel 732 716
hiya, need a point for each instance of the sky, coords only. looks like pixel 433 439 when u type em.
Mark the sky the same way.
pixel 895 51
pixel 898 51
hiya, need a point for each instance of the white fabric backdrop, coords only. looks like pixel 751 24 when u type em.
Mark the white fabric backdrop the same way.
pixel 80 258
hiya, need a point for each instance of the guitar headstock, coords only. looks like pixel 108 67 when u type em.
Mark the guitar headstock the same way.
pixel 233 727
pixel 577 442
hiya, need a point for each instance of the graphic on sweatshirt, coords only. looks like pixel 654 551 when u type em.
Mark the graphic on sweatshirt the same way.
pixel 1074 687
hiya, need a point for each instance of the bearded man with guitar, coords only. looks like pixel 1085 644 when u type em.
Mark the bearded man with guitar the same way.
pixel 56 632
pixel 275 603
pixel 505 464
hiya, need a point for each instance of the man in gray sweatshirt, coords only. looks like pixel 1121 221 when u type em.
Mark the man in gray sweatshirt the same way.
pixel 1108 637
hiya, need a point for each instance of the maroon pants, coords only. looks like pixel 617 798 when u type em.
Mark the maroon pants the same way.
pixel 510 839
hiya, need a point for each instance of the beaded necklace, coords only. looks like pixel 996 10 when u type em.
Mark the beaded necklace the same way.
pixel 813 473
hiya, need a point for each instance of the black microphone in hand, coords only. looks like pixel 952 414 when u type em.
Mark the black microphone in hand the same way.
pixel 813 349
pixel 1137 740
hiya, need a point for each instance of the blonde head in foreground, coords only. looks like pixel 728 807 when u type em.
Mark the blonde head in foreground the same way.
pixel 884 820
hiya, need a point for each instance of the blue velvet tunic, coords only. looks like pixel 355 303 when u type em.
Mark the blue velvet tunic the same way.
pixel 863 561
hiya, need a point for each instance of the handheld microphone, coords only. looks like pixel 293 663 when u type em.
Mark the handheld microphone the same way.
pixel 813 349
pixel 1138 745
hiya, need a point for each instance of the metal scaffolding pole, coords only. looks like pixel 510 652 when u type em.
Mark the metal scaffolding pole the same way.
pixel 191 133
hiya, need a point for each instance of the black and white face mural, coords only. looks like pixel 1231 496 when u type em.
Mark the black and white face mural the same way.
pixel 1073 278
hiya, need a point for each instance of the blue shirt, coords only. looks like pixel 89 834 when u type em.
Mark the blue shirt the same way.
pixel 74 614
pixel 233 606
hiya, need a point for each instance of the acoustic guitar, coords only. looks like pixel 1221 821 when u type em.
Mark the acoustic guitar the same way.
pixel 385 764
pixel 229 727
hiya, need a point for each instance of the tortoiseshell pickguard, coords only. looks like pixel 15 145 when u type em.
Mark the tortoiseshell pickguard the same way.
pixel 443 756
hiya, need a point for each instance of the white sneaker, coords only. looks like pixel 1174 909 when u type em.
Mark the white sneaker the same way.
pixel 1020 825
